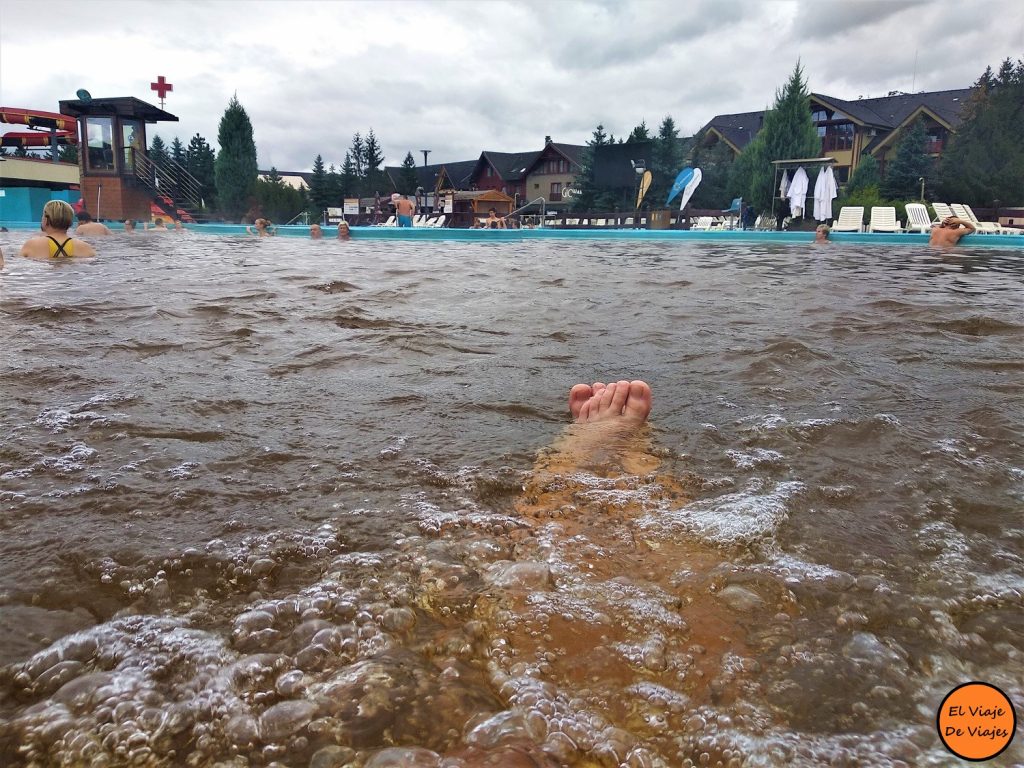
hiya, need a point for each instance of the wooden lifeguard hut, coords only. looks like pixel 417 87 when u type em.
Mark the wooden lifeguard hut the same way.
pixel 119 180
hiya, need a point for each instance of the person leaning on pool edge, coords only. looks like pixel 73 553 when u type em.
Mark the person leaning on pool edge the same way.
pixel 949 231
pixel 55 243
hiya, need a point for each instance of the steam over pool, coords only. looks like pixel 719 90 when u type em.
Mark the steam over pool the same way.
pixel 260 503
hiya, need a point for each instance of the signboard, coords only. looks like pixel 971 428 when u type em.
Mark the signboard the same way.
pixel 334 215
pixel 570 192
pixel 351 206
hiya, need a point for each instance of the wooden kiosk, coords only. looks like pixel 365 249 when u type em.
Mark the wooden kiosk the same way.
pixel 117 176
pixel 471 205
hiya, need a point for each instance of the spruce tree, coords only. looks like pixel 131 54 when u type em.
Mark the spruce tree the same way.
pixel 640 133
pixel 984 162
pixel 334 191
pixel 178 151
pixel 715 163
pixel 318 188
pixel 372 159
pixel 666 162
pixel 909 166
pixel 587 191
pixel 349 177
pixel 235 169
pixel 158 150
pixel 787 133
pixel 408 181
pixel 358 159
pixel 865 175
pixel 199 161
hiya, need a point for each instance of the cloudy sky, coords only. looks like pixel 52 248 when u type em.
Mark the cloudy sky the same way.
pixel 461 77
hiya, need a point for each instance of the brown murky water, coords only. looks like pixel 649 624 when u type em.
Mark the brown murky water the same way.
pixel 262 503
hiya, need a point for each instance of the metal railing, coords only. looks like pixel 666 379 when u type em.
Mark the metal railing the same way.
pixel 169 179
pixel 543 208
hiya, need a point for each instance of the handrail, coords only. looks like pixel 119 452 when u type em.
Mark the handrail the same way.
pixel 168 178
pixel 304 215
pixel 543 208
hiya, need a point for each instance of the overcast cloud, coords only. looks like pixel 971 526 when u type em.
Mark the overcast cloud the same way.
pixel 461 77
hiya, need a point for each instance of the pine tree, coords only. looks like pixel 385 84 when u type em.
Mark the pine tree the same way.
pixel 178 151
pixel 372 159
pixel 640 133
pixel 667 161
pixel 865 175
pixel 910 165
pixel 199 161
pixel 349 177
pixel 157 150
pixel 984 162
pixel 235 169
pixel 715 163
pixel 318 189
pixel 787 133
pixel 358 157
pixel 408 181
pixel 587 191
pixel 334 192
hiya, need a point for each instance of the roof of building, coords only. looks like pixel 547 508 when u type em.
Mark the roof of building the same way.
pixel 457 172
pixel 125 106
pixel 884 112
pixel 510 166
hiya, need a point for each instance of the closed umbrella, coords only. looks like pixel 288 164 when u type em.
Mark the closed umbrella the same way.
pixel 690 188
pixel 797 192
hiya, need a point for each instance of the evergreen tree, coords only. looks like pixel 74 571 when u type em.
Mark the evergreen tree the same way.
pixel 349 177
pixel 235 170
pixel 787 133
pixel 584 181
pixel 984 161
pixel 334 191
pixel 318 188
pixel 199 161
pixel 666 162
pixel 358 158
pixel 865 175
pixel 278 201
pixel 178 151
pixel 68 153
pixel 909 166
pixel 715 163
pixel 640 133
pixel 407 181
pixel 372 159
pixel 158 150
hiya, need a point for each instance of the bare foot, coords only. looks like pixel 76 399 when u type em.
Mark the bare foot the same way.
pixel 625 401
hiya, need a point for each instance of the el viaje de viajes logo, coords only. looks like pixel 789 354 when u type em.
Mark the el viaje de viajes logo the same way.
pixel 976 721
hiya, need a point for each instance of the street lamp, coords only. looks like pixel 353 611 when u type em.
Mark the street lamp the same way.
pixel 639 166
pixel 425 153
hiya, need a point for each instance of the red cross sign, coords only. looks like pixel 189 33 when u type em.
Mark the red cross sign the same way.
pixel 162 88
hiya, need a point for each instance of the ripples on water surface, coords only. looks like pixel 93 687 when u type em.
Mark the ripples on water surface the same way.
pixel 259 504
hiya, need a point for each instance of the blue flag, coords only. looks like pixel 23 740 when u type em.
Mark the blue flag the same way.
pixel 680 183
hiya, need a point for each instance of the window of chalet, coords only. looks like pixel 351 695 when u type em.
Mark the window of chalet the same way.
pixel 556 191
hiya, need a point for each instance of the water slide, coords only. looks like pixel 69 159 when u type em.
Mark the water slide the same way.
pixel 66 127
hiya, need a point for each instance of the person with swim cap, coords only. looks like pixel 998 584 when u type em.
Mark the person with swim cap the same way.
pixel 343 230
pixel 89 227
pixel 55 242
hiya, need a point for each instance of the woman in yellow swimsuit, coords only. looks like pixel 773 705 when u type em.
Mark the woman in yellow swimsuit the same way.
pixel 55 242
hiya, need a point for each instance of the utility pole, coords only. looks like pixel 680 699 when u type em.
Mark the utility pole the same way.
pixel 425 153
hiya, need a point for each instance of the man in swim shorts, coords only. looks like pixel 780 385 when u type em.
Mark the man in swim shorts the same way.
pixel 55 242
pixel 949 231
pixel 89 227
pixel 404 208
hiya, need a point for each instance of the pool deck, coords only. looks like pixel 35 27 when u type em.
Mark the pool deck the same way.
pixel 557 233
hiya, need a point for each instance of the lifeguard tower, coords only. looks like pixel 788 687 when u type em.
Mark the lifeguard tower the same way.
pixel 119 178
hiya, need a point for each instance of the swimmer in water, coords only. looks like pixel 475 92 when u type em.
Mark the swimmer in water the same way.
pixel 159 226
pixel 949 231
pixel 821 233
pixel 55 242
pixel 315 232
pixel 89 227
pixel 344 233
pixel 261 228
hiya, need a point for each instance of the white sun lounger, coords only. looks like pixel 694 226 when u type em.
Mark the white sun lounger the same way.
pixel 964 212
pixel 917 218
pixel 851 219
pixel 942 211
pixel 883 219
